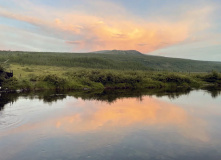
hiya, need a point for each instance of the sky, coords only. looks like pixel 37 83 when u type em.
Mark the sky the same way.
pixel 173 28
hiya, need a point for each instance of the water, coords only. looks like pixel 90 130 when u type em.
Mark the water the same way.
pixel 111 126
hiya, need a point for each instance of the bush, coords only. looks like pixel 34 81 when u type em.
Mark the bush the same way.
pixel 11 84
pixel 212 77
pixel 55 81
pixel 2 68
pixel 173 78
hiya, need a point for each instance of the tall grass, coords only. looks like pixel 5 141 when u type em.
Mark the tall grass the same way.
pixel 99 79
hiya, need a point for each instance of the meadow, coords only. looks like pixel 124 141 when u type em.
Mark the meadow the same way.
pixel 115 60
pixel 87 71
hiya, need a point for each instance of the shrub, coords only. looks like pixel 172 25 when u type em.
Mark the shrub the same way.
pixel 172 78
pixel 55 81
pixel 212 77
pixel 11 84
pixel 2 68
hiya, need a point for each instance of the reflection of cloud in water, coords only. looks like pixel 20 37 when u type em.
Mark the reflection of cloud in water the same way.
pixel 96 124
pixel 130 112
pixel 85 116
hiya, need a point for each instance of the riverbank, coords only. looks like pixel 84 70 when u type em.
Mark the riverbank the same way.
pixel 100 79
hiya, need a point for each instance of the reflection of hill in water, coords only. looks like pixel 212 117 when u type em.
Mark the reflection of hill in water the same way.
pixel 113 95
pixel 106 95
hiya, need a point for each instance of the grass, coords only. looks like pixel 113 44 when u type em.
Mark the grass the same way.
pixel 118 70
pixel 116 60
pixel 39 77
pixel 27 71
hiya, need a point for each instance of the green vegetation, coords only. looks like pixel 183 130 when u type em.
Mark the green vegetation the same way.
pixel 117 60
pixel 99 79
pixel 109 70
pixel 1 74
pixel 1 68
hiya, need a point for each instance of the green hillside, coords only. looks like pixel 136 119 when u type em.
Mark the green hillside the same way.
pixel 113 59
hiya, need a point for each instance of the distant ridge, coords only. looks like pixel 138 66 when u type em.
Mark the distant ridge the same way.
pixel 110 59
pixel 117 52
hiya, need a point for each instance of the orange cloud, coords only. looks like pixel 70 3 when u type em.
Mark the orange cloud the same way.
pixel 98 33
pixel 127 35
pixel 111 31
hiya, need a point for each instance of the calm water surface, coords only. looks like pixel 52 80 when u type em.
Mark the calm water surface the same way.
pixel 63 127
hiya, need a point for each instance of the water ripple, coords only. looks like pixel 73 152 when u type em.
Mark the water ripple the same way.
pixel 9 121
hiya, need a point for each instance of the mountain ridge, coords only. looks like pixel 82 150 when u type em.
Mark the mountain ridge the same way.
pixel 117 52
pixel 113 59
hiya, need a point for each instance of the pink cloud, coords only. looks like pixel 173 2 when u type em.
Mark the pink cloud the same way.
pixel 88 32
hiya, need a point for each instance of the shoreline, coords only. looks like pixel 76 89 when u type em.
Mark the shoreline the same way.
pixel 165 88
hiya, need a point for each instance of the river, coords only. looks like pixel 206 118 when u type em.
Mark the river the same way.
pixel 111 126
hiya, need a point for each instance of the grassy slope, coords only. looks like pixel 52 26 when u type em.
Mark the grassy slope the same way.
pixel 109 69
pixel 119 60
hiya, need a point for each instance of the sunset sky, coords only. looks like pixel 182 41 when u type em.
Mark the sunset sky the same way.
pixel 186 28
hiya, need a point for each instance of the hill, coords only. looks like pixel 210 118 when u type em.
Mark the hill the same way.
pixel 133 52
pixel 113 59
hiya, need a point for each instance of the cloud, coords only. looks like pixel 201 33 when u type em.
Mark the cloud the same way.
pixel 74 42
pixel 105 29
pixel 17 39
